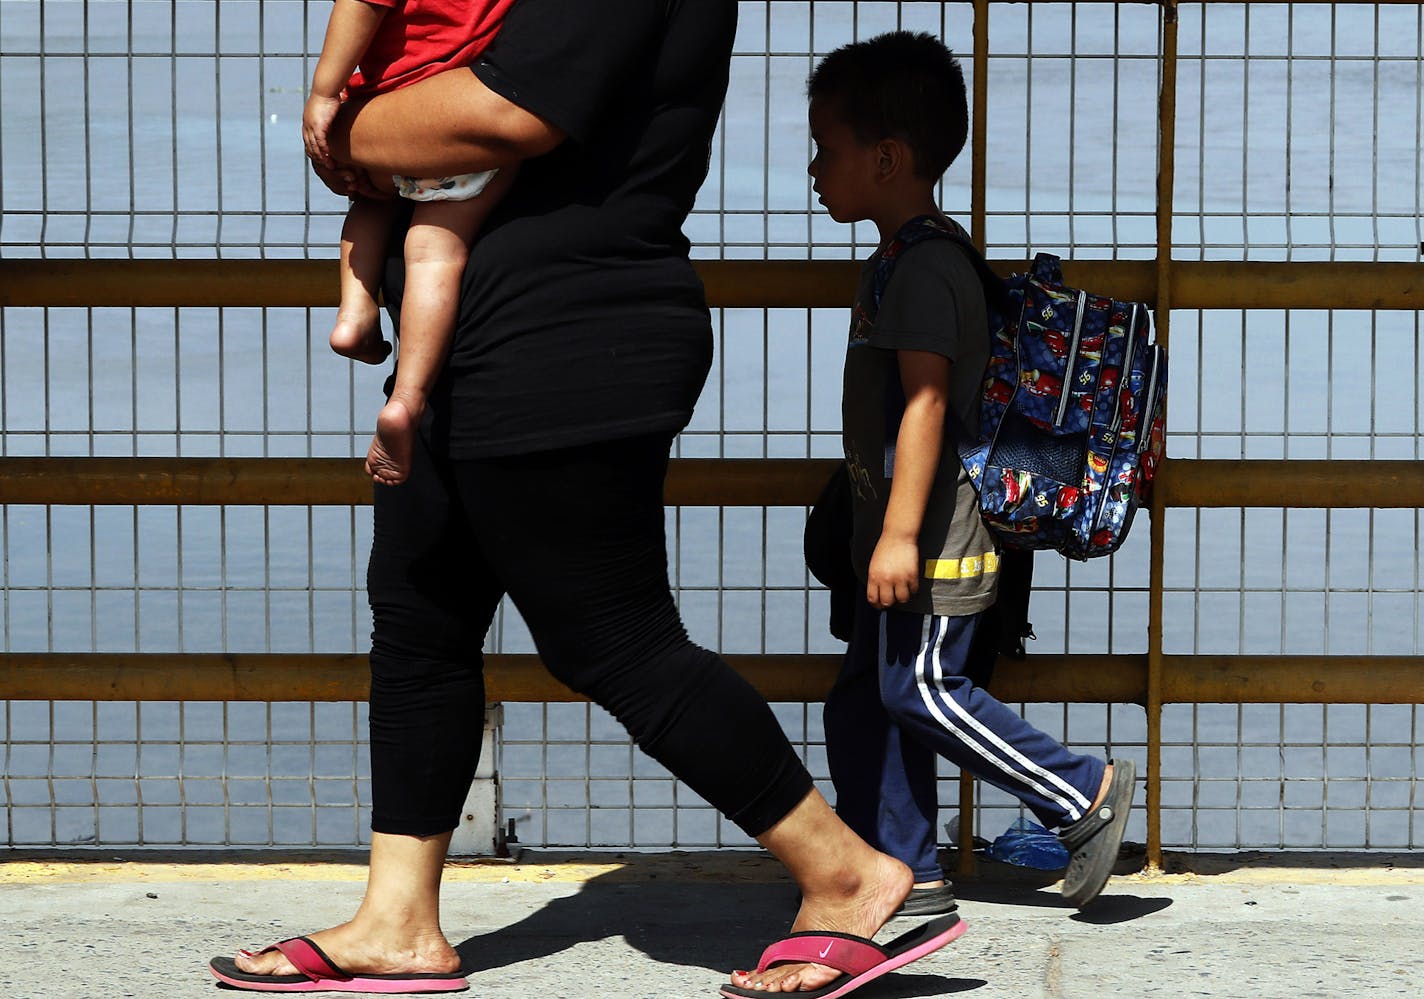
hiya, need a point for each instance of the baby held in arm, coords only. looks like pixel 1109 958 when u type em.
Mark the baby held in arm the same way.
pixel 368 50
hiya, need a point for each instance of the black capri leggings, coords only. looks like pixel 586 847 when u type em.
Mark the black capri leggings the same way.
pixel 576 538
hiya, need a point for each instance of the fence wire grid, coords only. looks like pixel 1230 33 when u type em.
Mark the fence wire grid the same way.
pixel 169 129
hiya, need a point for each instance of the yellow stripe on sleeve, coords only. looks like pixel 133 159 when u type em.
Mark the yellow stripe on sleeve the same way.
pixel 970 567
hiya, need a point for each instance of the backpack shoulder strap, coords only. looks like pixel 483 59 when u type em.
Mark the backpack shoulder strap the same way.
pixel 996 291
pixel 923 227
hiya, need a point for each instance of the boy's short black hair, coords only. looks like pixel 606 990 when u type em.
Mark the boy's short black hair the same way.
pixel 904 85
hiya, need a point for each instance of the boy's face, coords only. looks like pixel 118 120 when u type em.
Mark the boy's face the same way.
pixel 844 168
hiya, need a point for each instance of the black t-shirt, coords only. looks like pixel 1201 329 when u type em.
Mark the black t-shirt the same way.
pixel 934 302
pixel 581 318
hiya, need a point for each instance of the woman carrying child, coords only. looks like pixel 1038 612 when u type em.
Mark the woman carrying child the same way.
pixel 581 343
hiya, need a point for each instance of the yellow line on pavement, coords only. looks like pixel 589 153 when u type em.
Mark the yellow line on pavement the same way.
pixel 545 867
pixel 542 869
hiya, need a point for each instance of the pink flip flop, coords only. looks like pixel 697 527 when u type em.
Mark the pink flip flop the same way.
pixel 859 960
pixel 319 973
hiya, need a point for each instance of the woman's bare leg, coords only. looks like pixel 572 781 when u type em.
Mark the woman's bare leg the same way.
pixel 846 886
pixel 357 333
pixel 397 928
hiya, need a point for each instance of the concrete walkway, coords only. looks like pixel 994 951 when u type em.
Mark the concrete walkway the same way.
pixel 670 925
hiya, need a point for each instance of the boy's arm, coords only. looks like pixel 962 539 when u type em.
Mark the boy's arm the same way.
pixel 349 31
pixel 895 566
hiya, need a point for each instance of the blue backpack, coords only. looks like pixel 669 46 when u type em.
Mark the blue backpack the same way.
pixel 1072 417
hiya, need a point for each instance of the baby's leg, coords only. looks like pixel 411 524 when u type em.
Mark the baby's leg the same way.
pixel 357 333
pixel 436 248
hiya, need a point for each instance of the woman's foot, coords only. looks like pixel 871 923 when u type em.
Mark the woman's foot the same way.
pixel 388 460
pixel 357 950
pixel 357 335
pixel 859 901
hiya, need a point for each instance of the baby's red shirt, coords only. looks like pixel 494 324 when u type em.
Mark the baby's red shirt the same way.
pixel 419 38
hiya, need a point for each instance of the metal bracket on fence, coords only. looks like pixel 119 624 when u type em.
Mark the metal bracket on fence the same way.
pixel 481 829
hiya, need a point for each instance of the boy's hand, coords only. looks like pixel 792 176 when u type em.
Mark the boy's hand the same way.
pixel 317 117
pixel 894 572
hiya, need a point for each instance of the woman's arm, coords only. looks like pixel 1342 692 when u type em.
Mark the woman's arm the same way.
pixel 553 73
pixel 448 124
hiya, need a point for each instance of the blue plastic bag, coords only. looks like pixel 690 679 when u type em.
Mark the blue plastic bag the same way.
pixel 1028 844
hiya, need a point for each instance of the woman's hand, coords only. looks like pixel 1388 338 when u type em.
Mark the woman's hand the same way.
pixel 344 178
pixel 350 182
pixel 317 117
pixel 894 572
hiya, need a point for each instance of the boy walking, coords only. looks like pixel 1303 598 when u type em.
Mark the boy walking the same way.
pixel 888 116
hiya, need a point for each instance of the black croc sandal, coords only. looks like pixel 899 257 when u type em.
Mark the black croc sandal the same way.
pixel 928 902
pixel 1093 841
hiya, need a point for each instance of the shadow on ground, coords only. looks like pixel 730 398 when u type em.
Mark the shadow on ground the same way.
pixel 710 926
pixel 697 923
pixel 1006 884
pixel 1284 860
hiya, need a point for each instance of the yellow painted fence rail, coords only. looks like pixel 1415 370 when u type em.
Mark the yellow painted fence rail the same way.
pixel 731 284
pixel 1101 679
pixel 1151 679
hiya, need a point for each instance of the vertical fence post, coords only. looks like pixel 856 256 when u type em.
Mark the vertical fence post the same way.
pixel 481 829
pixel 979 126
pixel 978 232
pixel 1166 173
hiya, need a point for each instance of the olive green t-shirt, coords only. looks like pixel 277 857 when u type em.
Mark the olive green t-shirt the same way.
pixel 933 302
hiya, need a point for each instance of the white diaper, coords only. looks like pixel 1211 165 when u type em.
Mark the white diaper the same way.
pixel 461 187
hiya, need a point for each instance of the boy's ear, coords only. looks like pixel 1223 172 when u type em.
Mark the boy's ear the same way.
pixel 892 157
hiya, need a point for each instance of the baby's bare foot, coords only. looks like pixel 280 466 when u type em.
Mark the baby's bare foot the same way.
pixel 388 460
pixel 357 335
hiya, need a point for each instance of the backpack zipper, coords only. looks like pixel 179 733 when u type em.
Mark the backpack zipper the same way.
pixel 1144 424
pixel 1145 433
pixel 1102 494
pixel 1072 357
pixel 1124 383
pixel 1124 378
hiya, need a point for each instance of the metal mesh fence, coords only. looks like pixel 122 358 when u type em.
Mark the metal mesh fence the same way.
pixel 189 774
pixel 168 128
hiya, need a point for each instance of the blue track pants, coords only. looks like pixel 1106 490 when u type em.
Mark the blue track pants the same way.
pixel 900 700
